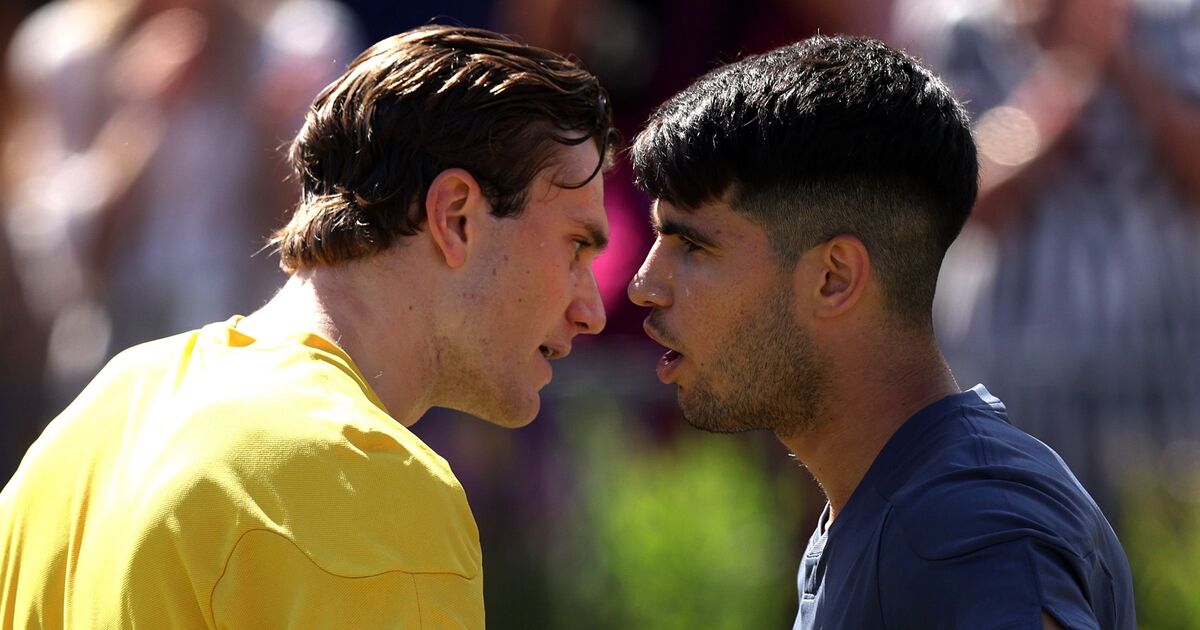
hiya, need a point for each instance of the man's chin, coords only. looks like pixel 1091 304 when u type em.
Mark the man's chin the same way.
pixel 712 420
pixel 514 414
pixel 704 411
pixel 515 422
pixel 722 427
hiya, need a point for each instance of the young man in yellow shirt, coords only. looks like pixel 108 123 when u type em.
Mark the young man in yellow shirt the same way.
pixel 258 473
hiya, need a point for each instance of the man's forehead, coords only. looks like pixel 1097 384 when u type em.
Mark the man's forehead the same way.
pixel 662 211
pixel 588 214
pixel 714 222
pixel 572 175
pixel 574 164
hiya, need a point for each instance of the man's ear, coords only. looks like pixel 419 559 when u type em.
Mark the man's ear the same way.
pixel 453 207
pixel 843 269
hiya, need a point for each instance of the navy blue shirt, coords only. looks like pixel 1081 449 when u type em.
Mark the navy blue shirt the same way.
pixel 964 521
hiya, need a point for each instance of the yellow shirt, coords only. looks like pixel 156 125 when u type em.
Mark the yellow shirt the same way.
pixel 212 480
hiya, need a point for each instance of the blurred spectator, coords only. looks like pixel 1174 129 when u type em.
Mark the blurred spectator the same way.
pixel 21 371
pixel 384 18
pixel 145 164
pixel 22 341
pixel 1076 293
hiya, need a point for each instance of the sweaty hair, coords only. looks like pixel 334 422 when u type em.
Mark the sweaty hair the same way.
pixel 828 136
pixel 416 104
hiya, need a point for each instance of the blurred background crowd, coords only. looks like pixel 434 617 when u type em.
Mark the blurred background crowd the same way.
pixel 140 173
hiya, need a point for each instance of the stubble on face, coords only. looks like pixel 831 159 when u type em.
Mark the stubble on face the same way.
pixel 770 376
pixel 482 372
pixel 477 388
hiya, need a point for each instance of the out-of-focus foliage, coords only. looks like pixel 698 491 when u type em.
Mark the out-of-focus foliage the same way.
pixel 687 535
pixel 1160 531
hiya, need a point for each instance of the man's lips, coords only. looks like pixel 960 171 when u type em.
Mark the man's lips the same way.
pixel 667 366
pixel 669 363
pixel 551 351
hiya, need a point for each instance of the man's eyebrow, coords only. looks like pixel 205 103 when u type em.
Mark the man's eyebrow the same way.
pixel 596 234
pixel 667 227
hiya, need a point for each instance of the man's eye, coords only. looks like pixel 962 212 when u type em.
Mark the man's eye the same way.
pixel 579 246
pixel 688 244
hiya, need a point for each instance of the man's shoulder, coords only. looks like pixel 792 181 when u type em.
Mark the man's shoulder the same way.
pixel 991 514
pixel 289 434
pixel 342 482
pixel 283 436
pixel 329 485
pixel 311 431
pixel 277 393
pixel 286 438
pixel 985 483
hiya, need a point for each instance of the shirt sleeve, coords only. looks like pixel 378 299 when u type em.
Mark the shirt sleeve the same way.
pixel 1001 586
pixel 359 528
pixel 269 582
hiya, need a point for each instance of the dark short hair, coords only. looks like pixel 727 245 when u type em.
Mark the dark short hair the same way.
pixel 421 102
pixel 828 136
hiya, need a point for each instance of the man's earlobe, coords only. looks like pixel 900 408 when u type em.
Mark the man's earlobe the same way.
pixel 844 268
pixel 451 210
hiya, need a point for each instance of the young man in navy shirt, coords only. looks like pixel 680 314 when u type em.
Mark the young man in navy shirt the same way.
pixel 804 200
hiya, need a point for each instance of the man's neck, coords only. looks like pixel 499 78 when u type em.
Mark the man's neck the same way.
pixel 389 353
pixel 862 416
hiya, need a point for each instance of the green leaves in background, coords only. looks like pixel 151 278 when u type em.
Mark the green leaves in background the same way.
pixel 687 534
pixel 1160 530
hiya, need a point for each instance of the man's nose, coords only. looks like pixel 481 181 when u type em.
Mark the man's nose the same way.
pixel 586 311
pixel 647 288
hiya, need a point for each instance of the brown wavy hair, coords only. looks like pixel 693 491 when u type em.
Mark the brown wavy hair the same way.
pixel 416 104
